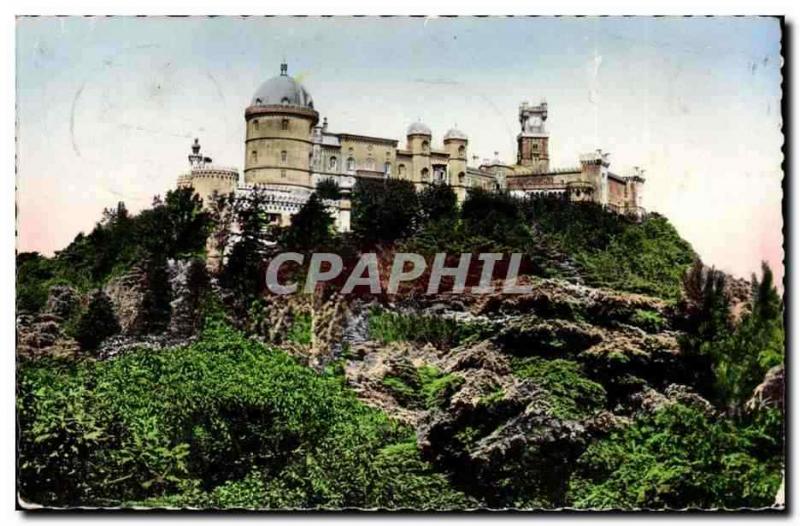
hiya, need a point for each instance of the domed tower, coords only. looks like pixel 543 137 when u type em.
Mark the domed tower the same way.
pixel 455 144
pixel 418 142
pixel 278 141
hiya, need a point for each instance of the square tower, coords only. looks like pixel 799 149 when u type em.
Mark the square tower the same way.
pixel 533 138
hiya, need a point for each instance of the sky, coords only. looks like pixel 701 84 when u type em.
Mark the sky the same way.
pixel 108 107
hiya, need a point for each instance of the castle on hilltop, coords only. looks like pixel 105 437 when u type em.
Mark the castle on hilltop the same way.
pixel 288 152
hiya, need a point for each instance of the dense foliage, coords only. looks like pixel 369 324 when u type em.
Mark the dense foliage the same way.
pixel 223 422
pixel 173 227
pixel 680 457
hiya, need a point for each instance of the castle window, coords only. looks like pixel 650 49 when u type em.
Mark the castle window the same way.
pixel 461 177
pixel 284 155
pixel 255 124
pixel 254 156
pixel 424 174
pixel 285 124
pixel 333 164
pixel 351 164
pixel 401 170
pixel 425 147
pixel 462 151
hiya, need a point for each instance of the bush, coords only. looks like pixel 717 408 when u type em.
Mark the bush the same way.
pixel 679 457
pixel 224 421
pixel 97 323
pixel 570 393
pixel 386 326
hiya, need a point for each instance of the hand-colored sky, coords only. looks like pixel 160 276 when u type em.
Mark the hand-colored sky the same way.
pixel 107 107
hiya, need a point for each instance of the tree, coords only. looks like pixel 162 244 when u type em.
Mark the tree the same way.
pixel 497 216
pixel 742 357
pixel 221 216
pixel 243 269
pixel 97 323
pixel 438 202
pixel 176 226
pixel 329 189
pixel 311 227
pixel 384 211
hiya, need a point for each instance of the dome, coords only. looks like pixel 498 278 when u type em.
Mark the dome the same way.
pixel 418 128
pixel 455 133
pixel 282 90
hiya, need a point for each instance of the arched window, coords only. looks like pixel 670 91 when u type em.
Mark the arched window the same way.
pixel 351 164
pixel 460 177
pixel 425 147
pixel 424 174
pixel 255 124
pixel 284 156
pixel 333 164
pixel 254 156
pixel 401 170
pixel 462 151
pixel 285 124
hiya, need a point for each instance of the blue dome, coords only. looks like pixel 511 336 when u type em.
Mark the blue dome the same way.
pixel 282 90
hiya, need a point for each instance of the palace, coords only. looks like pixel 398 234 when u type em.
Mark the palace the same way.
pixel 288 152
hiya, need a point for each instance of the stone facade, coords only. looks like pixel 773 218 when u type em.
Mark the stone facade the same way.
pixel 288 151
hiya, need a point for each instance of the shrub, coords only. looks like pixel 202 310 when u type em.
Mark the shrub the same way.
pixel 97 323
pixel 224 421
pixel 679 457
pixel 570 393
pixel 386 326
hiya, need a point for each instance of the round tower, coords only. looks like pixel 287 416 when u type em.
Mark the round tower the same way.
pixel 418 141
pixel 455 144
pixel 207 178
pixel 278 140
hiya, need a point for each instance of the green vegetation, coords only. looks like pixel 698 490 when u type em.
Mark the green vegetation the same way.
pixel 386 326
pixel 228 422
pixel 680 458
pixel 312 227
pixel 570 393
pixel 224 421
pixel 424 387
pixel 173 227
pixel 650 321
pixel 615 251
pixel 742 355
pixel 97 323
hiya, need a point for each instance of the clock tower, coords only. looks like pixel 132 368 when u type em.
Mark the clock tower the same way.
pixel 533 138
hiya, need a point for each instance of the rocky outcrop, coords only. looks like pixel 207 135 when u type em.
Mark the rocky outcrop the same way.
pixel 127 293
pixel 62 301
pixel 188 281
pixel 43 334
pixel 770 392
